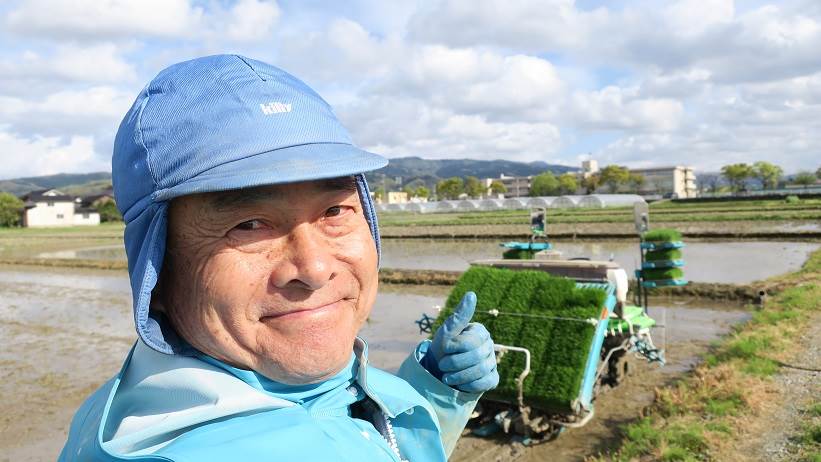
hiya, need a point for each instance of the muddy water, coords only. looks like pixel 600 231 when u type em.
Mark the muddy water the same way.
pixel 721 262
pixel 64 332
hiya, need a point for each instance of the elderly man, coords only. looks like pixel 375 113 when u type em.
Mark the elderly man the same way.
pixel 253 251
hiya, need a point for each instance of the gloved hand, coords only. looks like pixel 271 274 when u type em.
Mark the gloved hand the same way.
pixel 461 353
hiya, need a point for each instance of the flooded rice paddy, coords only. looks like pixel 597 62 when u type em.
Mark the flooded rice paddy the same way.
pixel 65 331
pixel 739 262
pixel 730 262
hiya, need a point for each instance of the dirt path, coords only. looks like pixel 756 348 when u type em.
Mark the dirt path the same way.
pixel 770 435
pixel 614 408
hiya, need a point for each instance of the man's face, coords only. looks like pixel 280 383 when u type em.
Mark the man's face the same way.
pixel 276 279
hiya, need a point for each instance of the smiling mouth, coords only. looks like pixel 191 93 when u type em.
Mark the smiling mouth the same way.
pixel 304 311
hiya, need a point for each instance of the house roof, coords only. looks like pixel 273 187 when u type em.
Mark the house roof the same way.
pixel 47 195
pixel 88 201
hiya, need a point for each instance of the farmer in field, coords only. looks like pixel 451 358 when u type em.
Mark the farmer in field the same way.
pixel 253 251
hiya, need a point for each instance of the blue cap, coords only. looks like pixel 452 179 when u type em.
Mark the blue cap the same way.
pixel 214 124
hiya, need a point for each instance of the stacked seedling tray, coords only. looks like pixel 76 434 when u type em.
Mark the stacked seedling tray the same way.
pixel 661 259
pixel 560 322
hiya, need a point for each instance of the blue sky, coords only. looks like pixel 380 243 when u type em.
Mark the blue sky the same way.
pixel 638 83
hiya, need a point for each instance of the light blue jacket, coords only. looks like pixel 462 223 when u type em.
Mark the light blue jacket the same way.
pixel 177 408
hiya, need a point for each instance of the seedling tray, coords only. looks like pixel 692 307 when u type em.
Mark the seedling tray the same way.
pixel 560 322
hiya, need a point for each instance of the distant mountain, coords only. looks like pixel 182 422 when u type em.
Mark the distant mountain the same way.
pixel 411 169
pixel 429 171
pixel 78 184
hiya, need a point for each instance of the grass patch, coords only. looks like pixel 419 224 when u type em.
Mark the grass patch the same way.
pixel 719 427
pixel 772 317
pixel 812 434
pixel 721 407
pixel 813 457
pixel 558 347
pixel 763 367
pixel 680 442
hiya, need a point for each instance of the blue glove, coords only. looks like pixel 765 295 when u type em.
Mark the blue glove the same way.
pixel 461 354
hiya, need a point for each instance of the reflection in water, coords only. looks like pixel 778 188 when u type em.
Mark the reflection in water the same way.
pixel 722 262
pixel 108 252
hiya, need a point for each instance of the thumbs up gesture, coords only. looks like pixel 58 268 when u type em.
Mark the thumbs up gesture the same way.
pixel 461 353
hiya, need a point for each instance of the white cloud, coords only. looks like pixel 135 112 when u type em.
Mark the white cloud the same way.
pixel 100 63
pixel 399 126
pixel 94 19
pixel 247 20
pixel 517 24
pixel 770 42
pixel 620 108
pixel 91 20
pixel 694 17
pixel 342 53
pixel 87 111
pixel 47 155
pixel 687 81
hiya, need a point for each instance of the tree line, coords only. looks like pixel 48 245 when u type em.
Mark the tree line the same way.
pixel 769 175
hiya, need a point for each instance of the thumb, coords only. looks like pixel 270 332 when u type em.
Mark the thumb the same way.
pixel 459 320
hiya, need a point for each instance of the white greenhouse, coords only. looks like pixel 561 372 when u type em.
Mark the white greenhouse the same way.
pixel 542 201
pixel 599 201
pixel 444 206
pixel 514 203
pixel 566 202
pixel 491 204
pixel 467 205
pixel 419 207
pixel 395 207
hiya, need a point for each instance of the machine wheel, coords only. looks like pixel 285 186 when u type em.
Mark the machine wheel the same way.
pixel 617 366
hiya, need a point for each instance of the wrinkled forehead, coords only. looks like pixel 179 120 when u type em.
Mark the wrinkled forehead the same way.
pixel 223 201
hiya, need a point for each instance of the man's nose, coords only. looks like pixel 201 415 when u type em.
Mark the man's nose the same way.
pixel 307 260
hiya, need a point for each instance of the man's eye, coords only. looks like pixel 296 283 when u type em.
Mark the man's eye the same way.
pixel 249 225
pixel 334 211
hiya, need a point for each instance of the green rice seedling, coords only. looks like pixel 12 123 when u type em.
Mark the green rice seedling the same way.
pixel 658 274
pixel 662 255
pixel 545 314
pixel 662 235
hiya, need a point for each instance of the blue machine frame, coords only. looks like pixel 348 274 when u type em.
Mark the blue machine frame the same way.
pixel 594 355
